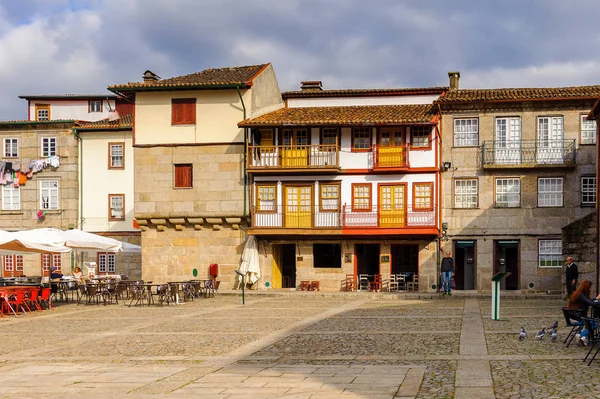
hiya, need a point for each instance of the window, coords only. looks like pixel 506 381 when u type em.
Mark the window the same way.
pixel 116 156
pixel 42 112
pixel 330 197
pixel 330 136
pixel 361 197
pixel 49 194
pixel 11 148
pixel 184 176
pixel 550 253
pixel 13 265
pixel 95 106
pixel 183 111
pixel 361 139
pixel 116 205
pixel 508 193
pixel 466 132
pixel 48 146
pixel 423 196
pixel 465 193
pixel 107 263
pixel 327 255
pixel 51 260
pixel 420 137
pixel 11 198
pixel 588 190
pixel 588 130
pixel 550 191
pixel 266 198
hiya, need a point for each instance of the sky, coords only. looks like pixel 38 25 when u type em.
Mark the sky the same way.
pixel 83 46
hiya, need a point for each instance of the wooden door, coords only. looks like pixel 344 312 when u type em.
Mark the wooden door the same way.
pixel 298 206
pixel 391 147
pixel 295 148
pixel 392 205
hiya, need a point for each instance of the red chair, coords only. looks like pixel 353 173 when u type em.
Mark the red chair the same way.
pixel 31 299
pixel 17 301
pixel 44 297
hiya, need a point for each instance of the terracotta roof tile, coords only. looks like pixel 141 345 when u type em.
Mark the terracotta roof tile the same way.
pixel 208 78
pixel 125 121
pixel 68 96
pixel 356 115
pixel 362 92
pixel 520 94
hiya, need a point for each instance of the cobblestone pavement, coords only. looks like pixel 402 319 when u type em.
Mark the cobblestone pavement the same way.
pixel 293 346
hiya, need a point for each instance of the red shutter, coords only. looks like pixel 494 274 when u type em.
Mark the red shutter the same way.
pixel 183 111
pixel 183 176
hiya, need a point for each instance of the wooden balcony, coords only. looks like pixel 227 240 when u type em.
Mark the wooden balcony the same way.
pixel 390 158
pixel 528 154
pixel 344 221
pixel 295 158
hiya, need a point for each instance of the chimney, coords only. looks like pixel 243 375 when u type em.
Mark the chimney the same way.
pixel 150 76
pixel 311 85
pixel 454 78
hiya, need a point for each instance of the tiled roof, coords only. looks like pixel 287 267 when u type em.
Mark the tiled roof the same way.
pixel 208 78
pixel 356 115
pixel 362 92
pixel 520 94
pixel 28 122
pixel 125 121
pixel 68 96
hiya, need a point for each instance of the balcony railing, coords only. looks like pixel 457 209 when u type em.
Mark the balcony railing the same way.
pixel 314 217
pixel 528 153
pixel 320 156
pixel 390 157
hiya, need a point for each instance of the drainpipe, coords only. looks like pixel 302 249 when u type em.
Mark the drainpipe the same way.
pixel 80 160
pixel 244 155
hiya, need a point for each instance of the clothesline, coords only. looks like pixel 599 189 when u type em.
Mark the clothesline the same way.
pixel 17 173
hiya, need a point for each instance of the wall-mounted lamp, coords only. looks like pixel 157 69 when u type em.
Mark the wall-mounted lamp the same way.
pixel 446 165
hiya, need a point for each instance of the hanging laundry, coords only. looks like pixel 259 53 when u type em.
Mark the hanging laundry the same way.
pixel 22 178
pixel 16 177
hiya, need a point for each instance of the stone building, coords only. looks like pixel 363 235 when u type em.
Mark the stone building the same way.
pixel 519 166
pixel 345 187
pixel 191 190
pixel 39 183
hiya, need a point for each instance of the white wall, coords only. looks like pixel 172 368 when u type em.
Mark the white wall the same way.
pixel 99 181
pixel 367 100
pixel 76 109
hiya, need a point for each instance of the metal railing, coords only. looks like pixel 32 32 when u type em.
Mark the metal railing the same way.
pixel 318 156
pixel 532 152
pixel 344 217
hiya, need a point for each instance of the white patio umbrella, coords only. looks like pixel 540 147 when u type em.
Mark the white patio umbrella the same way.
pixel 250 263
pixel 78 239
pixel 38 240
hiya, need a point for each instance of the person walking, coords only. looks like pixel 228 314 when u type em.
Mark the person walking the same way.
pixel 447 271
pixel 571 276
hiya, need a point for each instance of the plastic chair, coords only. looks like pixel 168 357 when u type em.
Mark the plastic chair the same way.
pixel 17 301
pixel 31 299
pixel 45 298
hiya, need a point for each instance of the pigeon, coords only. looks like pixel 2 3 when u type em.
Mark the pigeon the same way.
pixel 555 326
pixel 522 334
pixel 554 335
pixel 541 334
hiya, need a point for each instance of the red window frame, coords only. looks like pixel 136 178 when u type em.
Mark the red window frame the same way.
pixel 12 265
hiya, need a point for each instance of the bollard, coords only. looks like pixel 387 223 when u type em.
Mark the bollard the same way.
pixel 496 294
pixel 242 275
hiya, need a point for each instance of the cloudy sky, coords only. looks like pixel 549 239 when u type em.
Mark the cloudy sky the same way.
pixel 82 46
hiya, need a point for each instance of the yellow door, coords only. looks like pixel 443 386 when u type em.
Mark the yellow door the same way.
pixel 298 207
pixel 295 148
pixel 276 271
pixel 391 147
pixel 392 208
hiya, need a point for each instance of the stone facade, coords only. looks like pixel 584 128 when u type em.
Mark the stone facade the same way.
pixel 127 264
pixel 528 223
pixel 29 135
pixel 580 241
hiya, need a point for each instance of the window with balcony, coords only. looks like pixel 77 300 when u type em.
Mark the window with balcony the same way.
pixel 11 147
pixel 330 136
pixel 588 130
pixel 266 198
pixel 330 197
pixel 466 132
pixel 508 192
pixel 183 111
pixel 550 191
pixel 423 196
pixel 361 139
pixel 420 138
pixel 588 190
pixel 550 253
pixel 466 193
pixel 361 197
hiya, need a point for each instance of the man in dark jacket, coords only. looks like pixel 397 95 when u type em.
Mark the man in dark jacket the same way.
pixel 447 270
pixel 571 276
